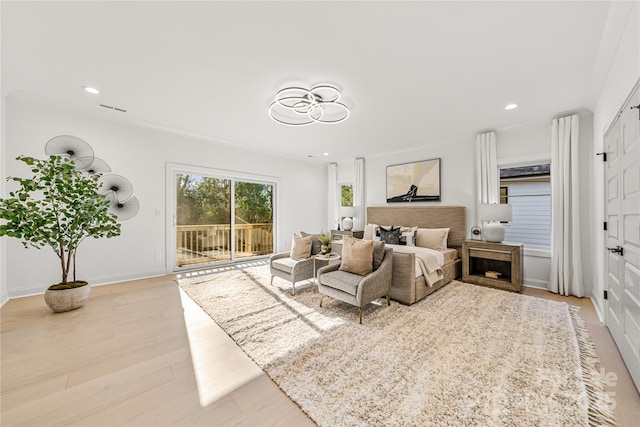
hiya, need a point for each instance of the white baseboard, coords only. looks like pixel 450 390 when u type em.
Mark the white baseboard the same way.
pixel 536 283
pixel 40 289
pixel 28 292
pixel 4 299
pixel 597 308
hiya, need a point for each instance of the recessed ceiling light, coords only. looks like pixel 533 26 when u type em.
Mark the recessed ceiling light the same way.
pixel 511 106
pixel 325 154
pixel 91 90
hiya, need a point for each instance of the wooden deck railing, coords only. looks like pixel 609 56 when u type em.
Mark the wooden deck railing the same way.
pixel 198 244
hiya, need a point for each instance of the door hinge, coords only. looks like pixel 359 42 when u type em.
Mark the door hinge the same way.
pixel 604 226
pixel 604 156
pixel 606 295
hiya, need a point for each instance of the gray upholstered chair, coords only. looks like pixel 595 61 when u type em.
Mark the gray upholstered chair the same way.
pixel 355 289
pixel 283 266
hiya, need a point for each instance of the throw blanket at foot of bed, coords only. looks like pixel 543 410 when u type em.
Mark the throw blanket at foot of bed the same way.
pixel 429 261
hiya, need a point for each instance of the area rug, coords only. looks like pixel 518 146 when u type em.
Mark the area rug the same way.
pixel 464 356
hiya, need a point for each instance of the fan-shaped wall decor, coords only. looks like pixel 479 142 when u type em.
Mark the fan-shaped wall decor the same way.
pixel 92 165
pixel 116 188
pixel 71 146
pixel 125 210
pixel 117 185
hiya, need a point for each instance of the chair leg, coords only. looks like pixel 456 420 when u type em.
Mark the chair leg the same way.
pixel 321 298
pixel 360 312
pixel 388 298
pixel 272 276
pixel 293 288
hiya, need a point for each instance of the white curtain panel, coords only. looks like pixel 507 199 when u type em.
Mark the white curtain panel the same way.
pixel 333 197
pixel 358 195
pixel 566 266
pixel 486 170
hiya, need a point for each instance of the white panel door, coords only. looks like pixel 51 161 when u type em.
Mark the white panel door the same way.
pixel 622 196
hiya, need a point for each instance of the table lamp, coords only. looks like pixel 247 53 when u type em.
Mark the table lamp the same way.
pixel 494 231
pixel 347 213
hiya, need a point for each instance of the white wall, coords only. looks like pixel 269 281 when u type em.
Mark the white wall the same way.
pixel 346 170
pixel 4 292
pixel 524 144
pixel 457 174
pixel 623 73
pixel 140 154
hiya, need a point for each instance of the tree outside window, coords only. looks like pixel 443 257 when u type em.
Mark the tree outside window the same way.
pixel 346 194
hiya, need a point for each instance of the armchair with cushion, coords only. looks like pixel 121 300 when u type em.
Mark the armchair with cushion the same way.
pixel 358 288
pixel 297 264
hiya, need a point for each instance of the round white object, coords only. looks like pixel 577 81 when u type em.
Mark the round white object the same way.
pixel 493 232
pixel 347 224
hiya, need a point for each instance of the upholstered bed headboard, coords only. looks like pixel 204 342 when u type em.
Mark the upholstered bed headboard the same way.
pixel 453 217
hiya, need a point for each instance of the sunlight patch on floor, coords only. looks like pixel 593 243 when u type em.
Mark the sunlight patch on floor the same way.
pixel 219 365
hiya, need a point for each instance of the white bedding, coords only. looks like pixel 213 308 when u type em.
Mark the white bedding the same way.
pixel 429 262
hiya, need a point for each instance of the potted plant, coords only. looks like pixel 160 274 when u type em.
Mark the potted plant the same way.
pixel 325 240
pixel 58 207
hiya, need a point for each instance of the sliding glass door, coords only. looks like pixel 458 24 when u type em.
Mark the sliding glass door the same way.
pixel 253 219
pixel 221 219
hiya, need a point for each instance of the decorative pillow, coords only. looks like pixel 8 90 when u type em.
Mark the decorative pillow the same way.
pixel 370 231
pixel 408 236
pixel 433 238
pixel 316 244
pixel 378 254
pixel 301 247
pixel 446 236
pixel 390 235
pixel 357 256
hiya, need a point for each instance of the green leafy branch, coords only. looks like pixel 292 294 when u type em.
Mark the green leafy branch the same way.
pixel 59 207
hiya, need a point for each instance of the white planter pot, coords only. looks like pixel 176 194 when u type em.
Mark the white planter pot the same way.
pixel 67 299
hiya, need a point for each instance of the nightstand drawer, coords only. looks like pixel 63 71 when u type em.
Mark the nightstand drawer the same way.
pixel 339 234
pixel 490 254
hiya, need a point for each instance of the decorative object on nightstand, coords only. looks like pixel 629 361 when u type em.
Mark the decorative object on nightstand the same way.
pixel 492 274
pixel 498 265
pixel 476 233
pixel 494 231
pixel 347 213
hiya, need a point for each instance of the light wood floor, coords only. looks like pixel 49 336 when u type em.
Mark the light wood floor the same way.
pixel 141 353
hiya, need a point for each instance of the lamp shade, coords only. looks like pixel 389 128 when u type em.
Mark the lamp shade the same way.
pixel 495 212
pixel 347 211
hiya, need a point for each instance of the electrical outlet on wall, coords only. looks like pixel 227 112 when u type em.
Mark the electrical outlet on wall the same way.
pixel 158 256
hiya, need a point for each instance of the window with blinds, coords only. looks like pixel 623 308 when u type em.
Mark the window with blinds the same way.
pixel 528 190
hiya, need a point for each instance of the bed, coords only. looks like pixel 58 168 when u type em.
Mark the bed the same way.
pixel 406 288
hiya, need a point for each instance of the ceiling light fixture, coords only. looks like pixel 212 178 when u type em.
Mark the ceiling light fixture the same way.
pixel 91 90
pixel 325 154
pixel 296 106
pixel 511 107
